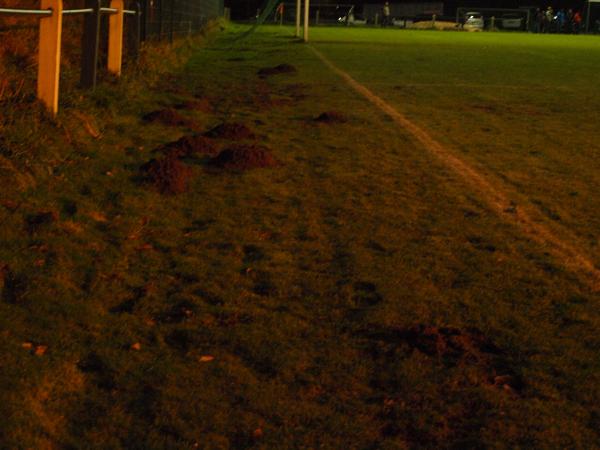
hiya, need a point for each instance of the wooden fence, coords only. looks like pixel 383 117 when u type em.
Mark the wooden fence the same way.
pixel 51 14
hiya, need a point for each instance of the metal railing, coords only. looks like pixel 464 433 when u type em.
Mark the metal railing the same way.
pixel 167 19
pixel 151 18
pixel 36 12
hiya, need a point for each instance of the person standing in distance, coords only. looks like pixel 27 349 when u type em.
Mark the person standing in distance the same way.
pixel 385 20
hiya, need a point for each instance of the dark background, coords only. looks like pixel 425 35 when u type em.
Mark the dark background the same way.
pixel 246 9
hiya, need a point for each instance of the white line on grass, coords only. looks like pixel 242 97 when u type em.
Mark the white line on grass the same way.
pixel 573 258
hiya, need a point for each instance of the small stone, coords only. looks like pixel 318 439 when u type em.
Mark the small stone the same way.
pixel 136 346
pixel 206 358
pixel 97 216
pixel 40 350
pixel 258 433
pixel 27 345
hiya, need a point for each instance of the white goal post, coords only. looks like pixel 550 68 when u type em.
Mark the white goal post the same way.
pixel 298 17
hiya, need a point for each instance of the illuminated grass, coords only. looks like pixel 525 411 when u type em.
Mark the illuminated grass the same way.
pixel 305 281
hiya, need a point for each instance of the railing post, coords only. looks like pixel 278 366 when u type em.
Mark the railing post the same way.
pixel 90 45
pixel 115 38
pixel 134 30
pixel 49 55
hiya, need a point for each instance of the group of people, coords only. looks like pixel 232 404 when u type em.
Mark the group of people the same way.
pixel 560 21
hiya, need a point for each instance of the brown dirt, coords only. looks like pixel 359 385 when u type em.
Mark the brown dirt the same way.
pixel 168 116
pixel 232 130
pixel 244 157
pixel 281 68
pixel 168 174
pixel 189 145
pixel 331 117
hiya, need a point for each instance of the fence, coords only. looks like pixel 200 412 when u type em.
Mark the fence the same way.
pixel 152 18
pixel 166 19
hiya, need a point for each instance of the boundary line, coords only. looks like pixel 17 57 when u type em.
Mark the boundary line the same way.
pixel 574 259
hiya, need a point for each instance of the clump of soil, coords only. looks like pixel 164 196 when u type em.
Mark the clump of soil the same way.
pixel 230 131
pixel 189 145
pixel 281 68
pixel 35 222
pixel 244 157
pixel 199 104
pixel 168 174
pixel 331 117
pixel 455 347
pixel 167 116
pixel 448 342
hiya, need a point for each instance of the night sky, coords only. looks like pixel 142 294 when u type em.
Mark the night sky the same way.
pixel 243 9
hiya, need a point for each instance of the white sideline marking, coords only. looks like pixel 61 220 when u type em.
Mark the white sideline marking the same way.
pixel 571 256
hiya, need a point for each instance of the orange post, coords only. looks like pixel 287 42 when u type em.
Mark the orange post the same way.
pixel 115 37
pixel 49 55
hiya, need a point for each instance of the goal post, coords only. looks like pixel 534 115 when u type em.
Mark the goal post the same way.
pixel 306 10
pixel 298 9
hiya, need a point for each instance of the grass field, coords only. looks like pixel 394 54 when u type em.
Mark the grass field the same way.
pixel 362 294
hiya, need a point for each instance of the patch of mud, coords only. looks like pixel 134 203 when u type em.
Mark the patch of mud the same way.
pixel 233 130
pixel 453 347
pixel 169 117
pixel 189 146
pixel 244 157
pixel 35 222
pixel 279 69
pixel 331 117
pixel 168 174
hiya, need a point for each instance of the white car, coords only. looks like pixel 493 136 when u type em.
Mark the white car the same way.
pixel 473 21
pixel 512 22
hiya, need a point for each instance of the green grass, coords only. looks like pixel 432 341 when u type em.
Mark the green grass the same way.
pixel 302 280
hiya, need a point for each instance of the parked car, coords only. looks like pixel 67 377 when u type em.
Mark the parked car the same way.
pixel 402 23
pixel 511 21
pixel 473 21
